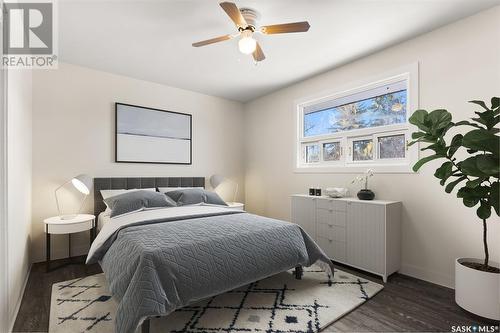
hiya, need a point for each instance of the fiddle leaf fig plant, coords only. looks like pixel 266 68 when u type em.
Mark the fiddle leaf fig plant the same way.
pixel 476 170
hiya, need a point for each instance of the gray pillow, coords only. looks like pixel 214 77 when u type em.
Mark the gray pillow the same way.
pixel 189 196
pixel 137 200
pixel 193 196
pixel 214 199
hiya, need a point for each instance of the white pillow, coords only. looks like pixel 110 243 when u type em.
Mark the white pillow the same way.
pixel 111 193
pixel 170 189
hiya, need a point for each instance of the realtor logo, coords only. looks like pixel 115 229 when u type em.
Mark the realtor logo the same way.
pixel 28 35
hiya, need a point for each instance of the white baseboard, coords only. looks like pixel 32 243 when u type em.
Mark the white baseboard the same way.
pixel 426 275
pixel 19 301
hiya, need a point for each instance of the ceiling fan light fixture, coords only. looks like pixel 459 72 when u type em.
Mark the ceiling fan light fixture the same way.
pixel 247 44
pixel 246 22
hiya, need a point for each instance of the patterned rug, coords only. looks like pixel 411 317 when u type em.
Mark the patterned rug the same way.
pixel 276 304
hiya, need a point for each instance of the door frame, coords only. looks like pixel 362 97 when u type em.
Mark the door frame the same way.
pixel 4 264
pixel 4 267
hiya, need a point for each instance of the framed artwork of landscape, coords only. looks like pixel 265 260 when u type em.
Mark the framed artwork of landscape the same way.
pixel 147 135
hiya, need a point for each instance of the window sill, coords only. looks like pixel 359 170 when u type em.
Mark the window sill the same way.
pixel 377 168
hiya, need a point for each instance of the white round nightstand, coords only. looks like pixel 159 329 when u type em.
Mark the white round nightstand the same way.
pixel 56 225
pixel 236 205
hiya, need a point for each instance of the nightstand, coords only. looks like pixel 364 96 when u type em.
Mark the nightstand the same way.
pixel 236 205
pixel 56 225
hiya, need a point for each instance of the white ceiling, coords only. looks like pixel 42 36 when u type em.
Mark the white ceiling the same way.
pixel 151 40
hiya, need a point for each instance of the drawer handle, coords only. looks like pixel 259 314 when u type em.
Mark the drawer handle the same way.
pixel 330 225
pixel 330 240
pixel 330 210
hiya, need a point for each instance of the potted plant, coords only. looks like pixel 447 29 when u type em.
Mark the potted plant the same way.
pixel 364 193
pixel 477 282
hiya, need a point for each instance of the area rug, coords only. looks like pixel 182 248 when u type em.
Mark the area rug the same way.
pixel 277 304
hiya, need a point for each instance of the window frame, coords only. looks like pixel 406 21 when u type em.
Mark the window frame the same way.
pixel 409 74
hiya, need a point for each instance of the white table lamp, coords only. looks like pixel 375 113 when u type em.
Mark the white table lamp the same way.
pixel 83 183
pixel 219 180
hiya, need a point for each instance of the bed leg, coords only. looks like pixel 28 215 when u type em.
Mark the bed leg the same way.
pixel 145 326
pixel 299 271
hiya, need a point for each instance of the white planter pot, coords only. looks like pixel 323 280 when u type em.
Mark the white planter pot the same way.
pixel 477 291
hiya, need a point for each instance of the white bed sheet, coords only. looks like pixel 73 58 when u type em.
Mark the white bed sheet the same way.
pixel 102 219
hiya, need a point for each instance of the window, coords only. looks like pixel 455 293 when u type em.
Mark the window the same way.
pixel 383 110
pixel 365 126
pixel 362 150
pixel 312 154
pixel 332 151
pixel 391 146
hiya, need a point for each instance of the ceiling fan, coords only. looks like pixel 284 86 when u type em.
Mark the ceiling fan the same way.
pixel 246 22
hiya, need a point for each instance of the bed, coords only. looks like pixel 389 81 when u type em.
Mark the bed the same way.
pixel 157 261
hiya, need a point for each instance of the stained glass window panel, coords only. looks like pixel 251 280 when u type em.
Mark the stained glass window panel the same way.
pixel 331 151
pixel 312 154
pixel 392 146
pixel 383 110
pixel 362 150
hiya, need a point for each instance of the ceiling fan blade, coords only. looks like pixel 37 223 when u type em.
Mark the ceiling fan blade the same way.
pixel 285 28
pixel 234 13
pixel 258 55
pixel 213 40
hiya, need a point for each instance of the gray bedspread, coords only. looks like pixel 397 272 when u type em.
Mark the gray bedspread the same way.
pixel 155 268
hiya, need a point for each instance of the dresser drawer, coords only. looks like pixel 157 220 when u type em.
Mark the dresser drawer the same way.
pixel 332 232
pixel 332 204
pixel 334 250
pixel 331 217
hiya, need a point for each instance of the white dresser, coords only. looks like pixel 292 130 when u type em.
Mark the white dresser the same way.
pixel 359 233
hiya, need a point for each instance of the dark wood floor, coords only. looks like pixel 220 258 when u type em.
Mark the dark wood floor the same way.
pixel 405 304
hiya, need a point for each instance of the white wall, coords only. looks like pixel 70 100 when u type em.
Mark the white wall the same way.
pixel 74 130
pixel 459 62
pixel 19 124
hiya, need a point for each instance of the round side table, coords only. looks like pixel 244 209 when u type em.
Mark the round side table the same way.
pixel 57 225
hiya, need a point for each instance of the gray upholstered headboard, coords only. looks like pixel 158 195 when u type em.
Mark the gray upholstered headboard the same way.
pixel 130 183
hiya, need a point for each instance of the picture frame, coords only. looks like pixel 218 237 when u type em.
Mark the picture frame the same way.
pixel 150 135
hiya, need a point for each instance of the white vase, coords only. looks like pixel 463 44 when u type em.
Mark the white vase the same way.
pixel 477 291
